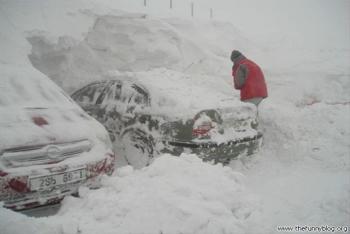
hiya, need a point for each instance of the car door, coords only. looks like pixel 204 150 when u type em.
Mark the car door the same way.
pixel 112 107
pixel 137 108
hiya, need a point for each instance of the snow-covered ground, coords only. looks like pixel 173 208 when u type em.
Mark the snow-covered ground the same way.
pixel 301 176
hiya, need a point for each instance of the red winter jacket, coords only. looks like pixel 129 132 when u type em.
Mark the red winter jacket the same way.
pixel 254 85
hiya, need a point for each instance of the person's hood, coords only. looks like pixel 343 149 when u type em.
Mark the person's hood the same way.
pixel 238 59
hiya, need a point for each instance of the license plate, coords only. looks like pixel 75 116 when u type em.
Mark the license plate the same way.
pixel 49 181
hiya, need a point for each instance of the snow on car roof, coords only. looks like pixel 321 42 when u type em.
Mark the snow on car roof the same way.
pixel 173 91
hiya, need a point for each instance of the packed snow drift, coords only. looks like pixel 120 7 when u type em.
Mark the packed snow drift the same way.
pixel 189 197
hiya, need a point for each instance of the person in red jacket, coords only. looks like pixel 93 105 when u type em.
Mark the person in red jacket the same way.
pixel 248 78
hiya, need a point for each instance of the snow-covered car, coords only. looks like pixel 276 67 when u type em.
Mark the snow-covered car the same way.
pixel 147 119
pixel 49 146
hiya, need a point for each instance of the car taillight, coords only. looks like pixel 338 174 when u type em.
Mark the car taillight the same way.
pixel 2 173
pixel 19 184
pixel 202 129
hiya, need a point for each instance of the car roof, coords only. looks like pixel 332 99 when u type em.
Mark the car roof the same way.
pixel 176 92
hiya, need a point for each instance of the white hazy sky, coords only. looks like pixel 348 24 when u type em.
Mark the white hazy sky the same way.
pixel 297 23
pixel 302 22
pixel 310 21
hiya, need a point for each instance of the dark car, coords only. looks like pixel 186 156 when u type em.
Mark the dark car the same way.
pixel 147 124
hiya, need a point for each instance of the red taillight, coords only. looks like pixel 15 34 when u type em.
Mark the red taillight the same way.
pixel 2 173
pixel 19 185
pixel 101 166
pixel 202 129
pixel 40 121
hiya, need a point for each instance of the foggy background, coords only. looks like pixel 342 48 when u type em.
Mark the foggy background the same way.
pixel 311 23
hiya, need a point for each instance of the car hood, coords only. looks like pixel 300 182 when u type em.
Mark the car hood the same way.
pixel 39 126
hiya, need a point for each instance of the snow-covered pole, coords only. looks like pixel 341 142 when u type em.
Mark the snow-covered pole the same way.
pixel 145 2
pixel 192 9
pixel 171 4
pixel 211 13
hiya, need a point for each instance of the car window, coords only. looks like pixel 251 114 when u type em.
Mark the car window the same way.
pixel 138 95
pixel 118 91
pixel 90 94
pixel 111 93
pixel 114 91
pixel 134 96
pixel 102 93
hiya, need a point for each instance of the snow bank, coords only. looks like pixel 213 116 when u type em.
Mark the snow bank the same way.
pixel 173 195
pixel 16 223
pixel 127 42
pixel 302 171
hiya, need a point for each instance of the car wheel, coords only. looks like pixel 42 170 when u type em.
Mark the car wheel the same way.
pixel 138 148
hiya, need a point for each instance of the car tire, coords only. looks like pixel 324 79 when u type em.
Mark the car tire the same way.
pixel 137 147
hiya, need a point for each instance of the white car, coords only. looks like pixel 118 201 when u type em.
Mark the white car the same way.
pixel 48 145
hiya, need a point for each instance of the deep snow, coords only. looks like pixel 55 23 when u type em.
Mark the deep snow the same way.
pixel 188 197
pixel 301 176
